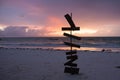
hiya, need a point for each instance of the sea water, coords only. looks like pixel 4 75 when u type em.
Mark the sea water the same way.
pixel 86 43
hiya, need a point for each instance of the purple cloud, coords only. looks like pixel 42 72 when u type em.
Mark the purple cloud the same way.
pixel 14 31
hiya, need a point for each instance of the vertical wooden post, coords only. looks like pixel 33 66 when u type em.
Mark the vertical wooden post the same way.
pixel 71 34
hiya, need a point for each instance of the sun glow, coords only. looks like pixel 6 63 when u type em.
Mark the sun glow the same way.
pixel 88 31
pixel 2 27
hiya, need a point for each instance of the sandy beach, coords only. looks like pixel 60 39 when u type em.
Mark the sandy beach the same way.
pixel 48 64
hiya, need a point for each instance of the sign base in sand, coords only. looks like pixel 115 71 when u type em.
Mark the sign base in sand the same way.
pixel 71 67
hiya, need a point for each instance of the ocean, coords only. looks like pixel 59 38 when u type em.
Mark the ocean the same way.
pixel 86 43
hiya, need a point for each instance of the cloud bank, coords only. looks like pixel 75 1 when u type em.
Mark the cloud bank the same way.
pixel 18 31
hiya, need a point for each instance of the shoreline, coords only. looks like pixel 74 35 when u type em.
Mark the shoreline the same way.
pixel 62 49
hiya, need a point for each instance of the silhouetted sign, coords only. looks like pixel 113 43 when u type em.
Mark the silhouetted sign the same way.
pixel 72 54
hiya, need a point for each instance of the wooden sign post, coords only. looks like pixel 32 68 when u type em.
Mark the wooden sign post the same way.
pixel 71 67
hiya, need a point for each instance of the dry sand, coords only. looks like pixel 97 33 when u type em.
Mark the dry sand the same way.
pixel 40 64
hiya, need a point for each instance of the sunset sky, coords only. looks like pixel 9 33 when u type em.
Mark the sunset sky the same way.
pixel 34 18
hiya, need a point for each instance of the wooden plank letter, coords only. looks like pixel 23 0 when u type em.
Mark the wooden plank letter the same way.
pixel 70 21
pixel 72 36
pixel 70 63
pixel 71 70
pixel 69 28
pixel 71 44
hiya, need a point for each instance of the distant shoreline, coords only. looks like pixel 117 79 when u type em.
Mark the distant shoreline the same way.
pixel 105 50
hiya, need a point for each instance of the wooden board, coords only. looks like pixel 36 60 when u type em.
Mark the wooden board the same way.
pixel 70 29
pixel 71 44
pixel 72 36
pixel 70 21
pixel 71 70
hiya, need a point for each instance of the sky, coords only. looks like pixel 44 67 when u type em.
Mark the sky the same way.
pixel 36 18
